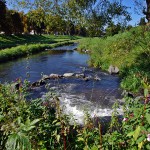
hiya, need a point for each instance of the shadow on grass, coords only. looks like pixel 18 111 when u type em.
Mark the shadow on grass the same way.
pixel 15 40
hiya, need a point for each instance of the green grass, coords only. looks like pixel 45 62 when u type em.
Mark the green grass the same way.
pixel 24 50
pixel 15 40
pixel 130 51
pixel 16 46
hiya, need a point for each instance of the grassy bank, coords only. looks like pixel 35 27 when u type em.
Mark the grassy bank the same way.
pixel 130 51
pixel 15 40
pixel 24 50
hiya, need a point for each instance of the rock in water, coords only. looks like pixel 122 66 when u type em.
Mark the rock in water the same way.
pixel 68 75
pixel 80 75
pixel 113 69
pixel 116 69
pixel 54 76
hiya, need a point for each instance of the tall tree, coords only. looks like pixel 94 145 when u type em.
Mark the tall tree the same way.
pixel 2 14
pixel 142 21
pixel 146 10
pixel 17 25
pixel 37 19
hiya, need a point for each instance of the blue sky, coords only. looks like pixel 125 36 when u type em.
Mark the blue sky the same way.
pixel 135 16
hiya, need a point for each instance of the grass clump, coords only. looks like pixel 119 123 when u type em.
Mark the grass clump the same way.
pixel 129 51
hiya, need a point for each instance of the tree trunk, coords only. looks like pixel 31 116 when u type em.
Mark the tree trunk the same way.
pixel 147 12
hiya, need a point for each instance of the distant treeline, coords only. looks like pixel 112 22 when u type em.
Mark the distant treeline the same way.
pixel 66 18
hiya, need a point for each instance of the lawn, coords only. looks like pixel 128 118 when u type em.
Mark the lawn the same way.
pixel 15 40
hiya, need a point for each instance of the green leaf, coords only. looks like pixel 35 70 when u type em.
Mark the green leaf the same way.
pixel 130 134
pixel 94 148
pixel 148 117
pixel 145 92
pixel 140 145
pixel 40 143
pixel 34 121
pixel 136 133
pixel 80 139
pixel 58 138
pixel 139 140
pixel 1 117
pixel 148 130
pixel 58 124
pixel 148 146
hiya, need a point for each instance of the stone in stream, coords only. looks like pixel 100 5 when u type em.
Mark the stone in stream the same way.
pixel 38 83
pixel 45 77
pixel 87 78
pixel 51 76
pixel 68 75
pixel 80 75
pixel 97 78
pixel 54 76
pixel 113 69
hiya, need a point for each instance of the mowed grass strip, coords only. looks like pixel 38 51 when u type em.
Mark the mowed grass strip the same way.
pixel 23 50
pixel 15 40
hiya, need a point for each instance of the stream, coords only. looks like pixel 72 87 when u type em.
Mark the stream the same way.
pixel 76 95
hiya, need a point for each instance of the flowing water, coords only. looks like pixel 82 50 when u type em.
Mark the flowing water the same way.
pixel 76 95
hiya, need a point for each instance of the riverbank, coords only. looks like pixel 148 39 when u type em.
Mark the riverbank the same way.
pixel 24 50
pixel 16 40
pixel 129 51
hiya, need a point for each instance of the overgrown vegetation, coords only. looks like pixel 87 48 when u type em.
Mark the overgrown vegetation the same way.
pixel 130 51
pixel 40 124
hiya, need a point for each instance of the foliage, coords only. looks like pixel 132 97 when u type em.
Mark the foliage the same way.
pixel 113 29
pixel 40 123
pixel 142 21
pixel 64 16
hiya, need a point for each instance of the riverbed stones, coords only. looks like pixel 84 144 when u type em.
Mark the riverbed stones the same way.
pixel 45 79
pixel 67 75
pixel 113 69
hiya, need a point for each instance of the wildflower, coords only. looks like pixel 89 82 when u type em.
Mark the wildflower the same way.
pixel 148 137
pixel 125 119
